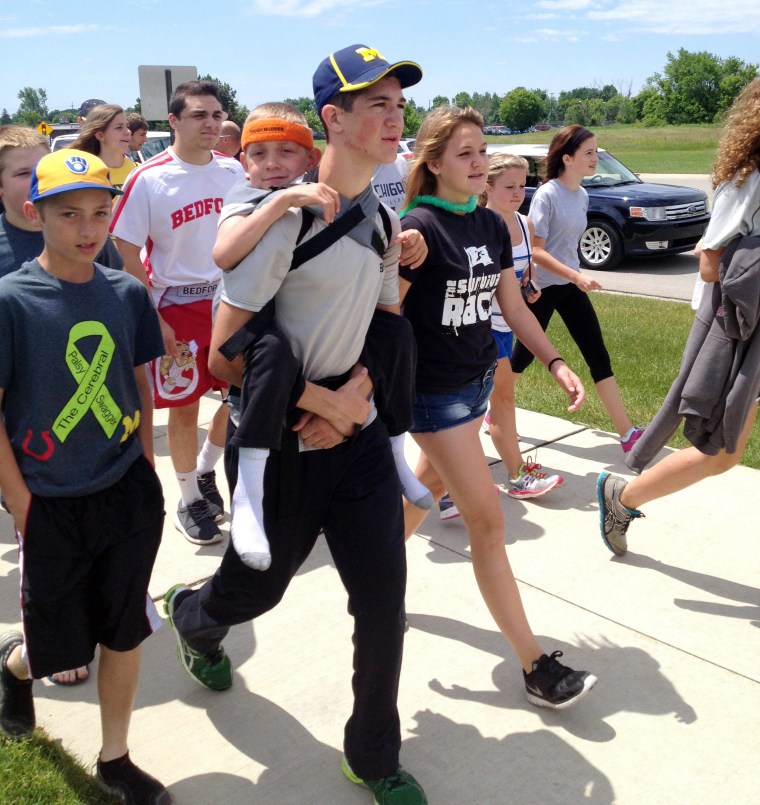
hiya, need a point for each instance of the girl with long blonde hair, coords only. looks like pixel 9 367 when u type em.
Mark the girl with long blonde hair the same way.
pixel 448 303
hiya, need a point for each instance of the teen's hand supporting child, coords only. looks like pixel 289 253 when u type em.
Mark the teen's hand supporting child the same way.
pixel 343 409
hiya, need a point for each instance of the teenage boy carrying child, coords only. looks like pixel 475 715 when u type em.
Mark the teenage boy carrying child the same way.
pixel 278 150
pixel 349 488
pixel 76 461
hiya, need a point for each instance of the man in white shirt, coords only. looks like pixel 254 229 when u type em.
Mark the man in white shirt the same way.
pixel 165 228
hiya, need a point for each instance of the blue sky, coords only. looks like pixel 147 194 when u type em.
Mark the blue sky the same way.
pixel 268 49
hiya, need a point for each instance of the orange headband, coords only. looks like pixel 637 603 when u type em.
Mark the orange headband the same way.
pixel 276 129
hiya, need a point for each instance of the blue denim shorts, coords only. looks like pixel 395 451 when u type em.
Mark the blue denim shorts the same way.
pixel 434 412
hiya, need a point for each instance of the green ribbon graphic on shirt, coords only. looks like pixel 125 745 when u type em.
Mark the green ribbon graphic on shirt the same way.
pixel 92 394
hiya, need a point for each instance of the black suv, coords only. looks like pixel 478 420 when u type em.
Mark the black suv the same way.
pixel 625 215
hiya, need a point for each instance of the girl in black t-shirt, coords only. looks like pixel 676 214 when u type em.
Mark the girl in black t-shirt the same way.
pixel 448 302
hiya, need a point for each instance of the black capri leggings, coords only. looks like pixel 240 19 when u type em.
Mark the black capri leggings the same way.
pixel 579 316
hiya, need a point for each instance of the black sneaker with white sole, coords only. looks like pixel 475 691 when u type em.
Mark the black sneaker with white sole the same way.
pixel 551 684
pixel 16 702
pixel 196 523
pixel 210 492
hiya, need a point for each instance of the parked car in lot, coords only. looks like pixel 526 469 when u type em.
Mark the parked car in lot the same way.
pixel 626 217
pixel 157 142
pixel 406 148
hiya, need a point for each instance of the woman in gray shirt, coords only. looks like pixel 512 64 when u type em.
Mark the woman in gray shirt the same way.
pixel 558 214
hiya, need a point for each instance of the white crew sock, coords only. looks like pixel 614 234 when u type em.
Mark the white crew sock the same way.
pixel 208 457
pixel 247 528
pixel 411 487
pixel 188 487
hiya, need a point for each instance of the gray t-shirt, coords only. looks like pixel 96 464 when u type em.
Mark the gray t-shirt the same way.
pixel 389 182
pixel 71 399
pixel 558 215
pixel 325 306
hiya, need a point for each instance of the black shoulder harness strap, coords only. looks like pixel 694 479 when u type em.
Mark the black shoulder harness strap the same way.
pixel 306 250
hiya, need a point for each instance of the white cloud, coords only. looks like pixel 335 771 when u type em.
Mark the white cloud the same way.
pixel 48 30
pixel 683 17
pixel 555 34
pixel 565 5
pixel 307 8
pixel 680 17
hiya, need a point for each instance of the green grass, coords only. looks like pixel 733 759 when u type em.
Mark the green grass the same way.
pixel 36 771
pixel 645 338
pixel 666 149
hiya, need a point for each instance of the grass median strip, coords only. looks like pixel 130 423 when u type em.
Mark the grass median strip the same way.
pixel 645 338
pixel 37 771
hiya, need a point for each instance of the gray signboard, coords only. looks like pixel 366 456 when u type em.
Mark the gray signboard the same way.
pixel 157 82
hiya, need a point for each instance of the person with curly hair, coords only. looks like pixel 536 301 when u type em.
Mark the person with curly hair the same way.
pixel 729 312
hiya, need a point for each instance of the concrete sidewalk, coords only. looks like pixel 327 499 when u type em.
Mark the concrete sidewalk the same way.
pixel 672 631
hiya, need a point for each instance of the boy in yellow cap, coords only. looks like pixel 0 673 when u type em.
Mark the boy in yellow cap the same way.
pixel 76 461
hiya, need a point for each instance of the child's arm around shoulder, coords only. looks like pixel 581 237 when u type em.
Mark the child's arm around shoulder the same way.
pixel 238 235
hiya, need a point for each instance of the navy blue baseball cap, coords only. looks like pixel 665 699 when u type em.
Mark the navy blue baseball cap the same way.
pixel 356 67
pixel 88 106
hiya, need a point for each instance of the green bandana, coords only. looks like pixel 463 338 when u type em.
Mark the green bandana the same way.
pixel 434 201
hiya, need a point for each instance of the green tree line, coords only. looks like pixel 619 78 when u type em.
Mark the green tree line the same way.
pixel 694 87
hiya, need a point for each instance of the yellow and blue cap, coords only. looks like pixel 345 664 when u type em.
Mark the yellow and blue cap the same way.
pixel 67 170
pixel 357 67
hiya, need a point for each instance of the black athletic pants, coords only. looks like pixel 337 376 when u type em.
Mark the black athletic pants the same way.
pixel 578 314
pixel 351 491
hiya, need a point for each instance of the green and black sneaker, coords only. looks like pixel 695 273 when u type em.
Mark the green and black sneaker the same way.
pixel 213 671
pixel 399 788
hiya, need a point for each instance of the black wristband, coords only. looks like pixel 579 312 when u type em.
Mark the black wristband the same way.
pixel 553 361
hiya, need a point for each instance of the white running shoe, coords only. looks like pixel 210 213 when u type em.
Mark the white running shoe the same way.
pixel 531 483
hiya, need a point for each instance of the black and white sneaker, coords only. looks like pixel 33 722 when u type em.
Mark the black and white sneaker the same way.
pixel 16 701
pixel 196 523
pixel 134 786
pixel 210 492
pixel 551 684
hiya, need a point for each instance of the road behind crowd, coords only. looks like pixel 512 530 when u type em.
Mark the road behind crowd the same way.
pixel 672 631
pixel 665 277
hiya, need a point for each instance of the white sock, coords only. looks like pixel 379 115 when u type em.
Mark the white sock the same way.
pixel 411 487
pixel 208 457
pixel 247 528
pixel 188 487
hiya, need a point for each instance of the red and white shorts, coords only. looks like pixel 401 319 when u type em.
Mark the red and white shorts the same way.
pixel 181 380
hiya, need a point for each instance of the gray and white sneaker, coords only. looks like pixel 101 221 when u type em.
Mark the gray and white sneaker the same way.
pixel 614 517
pixel 196 523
